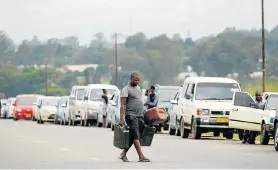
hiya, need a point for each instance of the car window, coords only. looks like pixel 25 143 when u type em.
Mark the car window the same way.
pixel 272 102
pixel 242 99
pixel 188 91
pixel 177 96
pixel 184 89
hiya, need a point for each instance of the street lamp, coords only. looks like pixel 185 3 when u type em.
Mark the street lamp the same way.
pixel 263 48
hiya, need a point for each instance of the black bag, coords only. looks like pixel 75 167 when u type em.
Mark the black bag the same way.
pixel 121 137
pixel 147 136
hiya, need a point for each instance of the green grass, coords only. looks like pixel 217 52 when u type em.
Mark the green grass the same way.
pixel 271 86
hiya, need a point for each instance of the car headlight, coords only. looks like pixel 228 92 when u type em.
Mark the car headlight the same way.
pixel 18 109
pixel 202 111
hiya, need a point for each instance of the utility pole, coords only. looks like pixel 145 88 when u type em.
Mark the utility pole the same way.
pixel 263 49
pixel 45 74
pixel 116 59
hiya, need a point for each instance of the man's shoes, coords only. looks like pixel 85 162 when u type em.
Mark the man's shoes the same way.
pixel 244 141
pixel 124 158
pixel 144 160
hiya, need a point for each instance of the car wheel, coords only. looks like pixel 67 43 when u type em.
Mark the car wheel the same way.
pixel 216 134
pixel 99 124
pixel 240 134
pixel 264 135
pixel 172 131
pixel 196 131
pixel 112 127
pixel 108 124
pixel 184 132
pixel 276 138
pixel 178 132
pixel 229 134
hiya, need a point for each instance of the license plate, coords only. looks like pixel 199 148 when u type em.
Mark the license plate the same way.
pixel 222 120
pixel 28 116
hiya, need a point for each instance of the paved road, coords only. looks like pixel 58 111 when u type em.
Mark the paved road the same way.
pixel 25 144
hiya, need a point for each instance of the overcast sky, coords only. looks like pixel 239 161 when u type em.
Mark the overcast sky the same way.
pixel 22 19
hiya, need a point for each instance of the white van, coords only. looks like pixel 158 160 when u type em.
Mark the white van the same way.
pixel 76 97
pixel 204 106
pixel 93 108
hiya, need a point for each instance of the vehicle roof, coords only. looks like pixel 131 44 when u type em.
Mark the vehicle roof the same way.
pixel 102 86
pixel 50 97
pixel 210 80
pixel 28 95
pixel 79 87
pixel 168 87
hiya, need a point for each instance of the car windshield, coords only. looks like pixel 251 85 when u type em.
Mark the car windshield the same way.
pixel 26 101
pixel 63 101
pixel 80 94
pixel 166 95
pixel 50 102
pixel 216 91
pixel 272 102
pixel 97 93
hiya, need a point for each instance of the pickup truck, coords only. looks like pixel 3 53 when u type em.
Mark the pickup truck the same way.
pixel 246 115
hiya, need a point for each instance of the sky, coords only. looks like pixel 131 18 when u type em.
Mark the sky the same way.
pixel 23 19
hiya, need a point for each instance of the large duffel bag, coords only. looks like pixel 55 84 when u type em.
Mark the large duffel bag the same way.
pixel 155 116
pixel 121 137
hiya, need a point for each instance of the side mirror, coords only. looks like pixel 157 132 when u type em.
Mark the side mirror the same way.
pixel 254 105
pixel 174 102
pixel 86 98
pixel 113 103
pixel 188 96
pixel 39 106
pixel 64 105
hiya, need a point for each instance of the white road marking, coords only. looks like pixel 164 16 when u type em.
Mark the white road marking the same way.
pixel 63 149
pixel 95 159
pixel 38 141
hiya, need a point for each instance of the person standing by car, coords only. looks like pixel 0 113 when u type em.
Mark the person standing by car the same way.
pixel 152 99
pixel 250 136
pixel 132 110
pixel 105 98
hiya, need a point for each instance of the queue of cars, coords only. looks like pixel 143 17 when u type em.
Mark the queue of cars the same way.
pixel 218 105
pixel 200 105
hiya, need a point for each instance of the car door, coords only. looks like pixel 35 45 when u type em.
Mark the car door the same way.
pixel 171 110
pixel 181 102
pixel 244 115
pixel 189 107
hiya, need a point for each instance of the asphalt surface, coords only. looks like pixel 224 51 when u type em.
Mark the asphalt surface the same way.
pixel 25 144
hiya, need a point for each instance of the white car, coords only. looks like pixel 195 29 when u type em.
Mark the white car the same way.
pixel 10 107
pixel 4 110
pixel 76 98
pixel 204 106
pixel 47 109
pixel 173 110
pixel 93 108
pixel 35 108
pixel 113 111
pixel 246 115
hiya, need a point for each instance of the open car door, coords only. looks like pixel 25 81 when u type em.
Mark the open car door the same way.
pixel 245 114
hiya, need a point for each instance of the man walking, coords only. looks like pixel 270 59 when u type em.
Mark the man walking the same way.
pixel 105 98
pixel 132 110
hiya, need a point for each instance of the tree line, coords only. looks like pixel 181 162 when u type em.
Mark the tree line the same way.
pixel 159 59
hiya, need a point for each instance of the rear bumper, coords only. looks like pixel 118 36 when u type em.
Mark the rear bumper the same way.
pixel 19 115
